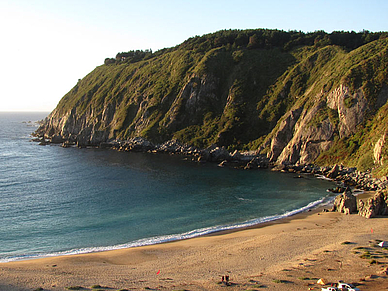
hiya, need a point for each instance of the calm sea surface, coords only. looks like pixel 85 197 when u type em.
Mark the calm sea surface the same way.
pixel 56 200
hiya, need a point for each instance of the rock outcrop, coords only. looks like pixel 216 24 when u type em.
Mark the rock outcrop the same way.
pixel 369 208
pixel 284 134
pixel 308 140
pixel 374 206
pixel 192 102
pixel 301 136
pixel 383 271
pixel 350 107
pixel 345 203
pixel 334 172
pixel 378 150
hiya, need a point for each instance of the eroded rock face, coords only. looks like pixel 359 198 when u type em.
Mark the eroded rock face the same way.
pixel 307 139
pixel 97 125
pixel 345 203
pixel 350 107
pixel 376 205
pixel 300 138
pixel 284 134
pixel 378 149
pixel 190 104
pixel 83 130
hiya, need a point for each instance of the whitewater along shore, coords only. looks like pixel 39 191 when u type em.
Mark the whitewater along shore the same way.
pixel 289 254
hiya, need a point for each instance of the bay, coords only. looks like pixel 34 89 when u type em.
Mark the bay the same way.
pixel 56 201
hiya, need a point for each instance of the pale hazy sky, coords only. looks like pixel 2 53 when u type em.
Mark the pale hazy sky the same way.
pixel 47 45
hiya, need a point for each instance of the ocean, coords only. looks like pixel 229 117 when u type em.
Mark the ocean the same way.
pixel 58 201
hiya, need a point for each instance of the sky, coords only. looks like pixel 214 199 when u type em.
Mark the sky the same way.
pixel 47 45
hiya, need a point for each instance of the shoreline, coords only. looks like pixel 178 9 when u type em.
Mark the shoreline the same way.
pixel 259 253
pixel 276 254
pixel 312 207
pixel 247 160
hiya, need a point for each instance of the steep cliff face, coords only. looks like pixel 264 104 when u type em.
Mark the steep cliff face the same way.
pixel 302 137
pixel 350 108
pixel 196 98
pixel 113 120
pixel 84 129
pixel 343 124
pixel 199 98
pixel 299 103
pixel 308 141
pixel 378 150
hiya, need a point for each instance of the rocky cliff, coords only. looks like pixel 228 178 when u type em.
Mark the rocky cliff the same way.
pixel 296 98
pixel 370 207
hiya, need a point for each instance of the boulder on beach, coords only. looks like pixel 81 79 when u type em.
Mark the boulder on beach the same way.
pixel 345 203
pixel 376 205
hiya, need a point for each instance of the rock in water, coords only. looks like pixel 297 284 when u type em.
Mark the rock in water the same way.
pixel 333 172
pixel 218 154
pixel 56 139
pixel 252 164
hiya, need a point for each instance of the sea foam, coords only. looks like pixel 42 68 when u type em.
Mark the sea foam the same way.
pixel 71 201
pixel 173 237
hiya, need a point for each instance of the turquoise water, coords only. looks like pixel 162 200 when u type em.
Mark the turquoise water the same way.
pixel 56 200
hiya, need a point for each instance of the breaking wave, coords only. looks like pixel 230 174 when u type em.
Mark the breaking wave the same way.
pixel 173 237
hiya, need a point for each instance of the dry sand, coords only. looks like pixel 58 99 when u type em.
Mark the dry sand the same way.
pixel 291 254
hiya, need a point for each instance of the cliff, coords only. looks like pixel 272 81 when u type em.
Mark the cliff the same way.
pixel 297 98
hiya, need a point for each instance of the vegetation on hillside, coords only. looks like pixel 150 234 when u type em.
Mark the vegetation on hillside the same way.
pixel 232 88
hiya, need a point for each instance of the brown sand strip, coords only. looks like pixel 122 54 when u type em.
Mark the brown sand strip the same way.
pixel 290 254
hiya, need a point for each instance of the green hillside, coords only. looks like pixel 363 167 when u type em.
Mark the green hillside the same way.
pixel 235 88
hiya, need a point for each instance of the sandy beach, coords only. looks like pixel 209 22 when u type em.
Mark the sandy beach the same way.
pixel 290 254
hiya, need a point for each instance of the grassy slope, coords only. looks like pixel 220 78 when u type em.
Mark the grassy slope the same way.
pixel 365 68
pixel 244 74
pixel 256 86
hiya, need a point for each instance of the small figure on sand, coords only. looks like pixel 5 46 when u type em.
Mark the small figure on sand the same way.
pixel 225 280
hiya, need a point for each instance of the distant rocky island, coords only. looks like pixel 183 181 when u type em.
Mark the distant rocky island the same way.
pixel 291 99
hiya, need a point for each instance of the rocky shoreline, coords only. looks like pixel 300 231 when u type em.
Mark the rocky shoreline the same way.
pixel 246 160
pixel 346 178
